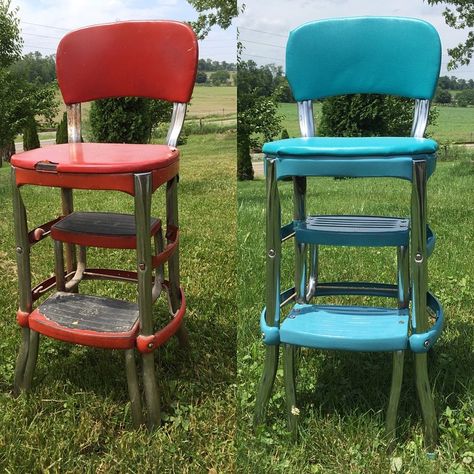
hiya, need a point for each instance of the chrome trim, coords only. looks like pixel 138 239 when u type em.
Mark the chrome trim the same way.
pixel 418 246
pixel 173 262
pixel 73 283
pixel 59 265
pixel 143 186
pixel 299 214
pixel 313 275
pixel 420 118
pixel 306 118
pixel 73 123
pixel 403 276
pixel 22 247
pixel 176 124
pixel 273 246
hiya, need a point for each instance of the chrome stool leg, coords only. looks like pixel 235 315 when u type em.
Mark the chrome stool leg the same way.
pixel 173 262
pixel 419 290
pixel 133 388
pixel 403 283
pixel 273 257
pixel 143 186
pixel 24 280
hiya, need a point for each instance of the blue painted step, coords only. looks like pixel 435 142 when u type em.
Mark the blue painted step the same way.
pixel 366 231
pixel 354 328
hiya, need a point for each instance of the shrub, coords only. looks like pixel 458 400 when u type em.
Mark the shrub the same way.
pixel 465 98
pixel 284 134
pixel 30 135
pixel 127 119
pixel 61 130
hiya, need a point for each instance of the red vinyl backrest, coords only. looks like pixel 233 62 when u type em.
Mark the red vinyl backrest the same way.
pixel 154 59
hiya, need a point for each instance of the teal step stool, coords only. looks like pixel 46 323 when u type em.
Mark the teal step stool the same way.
pixel 378 55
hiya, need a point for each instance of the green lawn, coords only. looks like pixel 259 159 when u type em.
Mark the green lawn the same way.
pixel 77 418
pixel 455 124
pixel 342 396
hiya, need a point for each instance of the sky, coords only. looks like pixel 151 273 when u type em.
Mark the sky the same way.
pixel 265 24
pixel 44 22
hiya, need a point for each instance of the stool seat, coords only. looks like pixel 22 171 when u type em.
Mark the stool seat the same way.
pixel 87 320
pixel 97 158
pixel 351 146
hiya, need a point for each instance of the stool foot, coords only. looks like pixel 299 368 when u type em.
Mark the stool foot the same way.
pixel 133 388
pixel 21 361
pixel 397 378
pixel 266 383
pixel 152 396
pixel 31 360
pixel 289 373
pixel 426 401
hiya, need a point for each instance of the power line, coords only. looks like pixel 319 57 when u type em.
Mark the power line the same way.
pixel 41 36
pixel 38 47
pixel 264 44
pixel 45 26
pixel 261 31
pixel 264 57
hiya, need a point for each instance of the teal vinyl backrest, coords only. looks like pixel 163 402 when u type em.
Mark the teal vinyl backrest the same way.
pixel 367 55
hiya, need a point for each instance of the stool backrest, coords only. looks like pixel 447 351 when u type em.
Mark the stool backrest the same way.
pixel 372 55
pixel 154 59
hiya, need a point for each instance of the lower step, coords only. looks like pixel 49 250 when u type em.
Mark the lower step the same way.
pixel 354 328
pixel 87 320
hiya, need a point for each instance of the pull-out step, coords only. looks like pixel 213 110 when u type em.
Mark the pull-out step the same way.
pixel 367 231
pixel 100 229
pixel 87 320
pixel 355 328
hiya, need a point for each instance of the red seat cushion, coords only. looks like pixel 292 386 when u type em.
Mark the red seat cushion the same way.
pixel 98 158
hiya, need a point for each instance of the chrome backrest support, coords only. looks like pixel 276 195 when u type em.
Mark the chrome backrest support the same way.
pixel 420 117
pixel 176 124
pixel 305 117
pixel 73 123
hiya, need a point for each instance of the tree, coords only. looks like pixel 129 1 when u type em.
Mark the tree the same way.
pixel 201 77
pixel 220 78
pixel 30 135
pixel 442 96
pixel 61 130
pixel 465 98
pixel 257 113
pixel 460 18
pixel 367 115
pixel 19 99
pixel 213 12
pixel 10 39
pixel 10 50
pixel 33 67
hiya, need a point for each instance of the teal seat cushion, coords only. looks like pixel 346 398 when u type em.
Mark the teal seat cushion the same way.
pixel 351 146
pixel 356 157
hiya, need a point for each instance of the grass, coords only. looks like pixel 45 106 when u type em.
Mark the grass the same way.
pixel 342 396
pixel 77 418
pixel 455 124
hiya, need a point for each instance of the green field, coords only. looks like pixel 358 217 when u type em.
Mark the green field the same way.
pixel 342 396
pixel 455 124
pixel 213 101
pixel 77 418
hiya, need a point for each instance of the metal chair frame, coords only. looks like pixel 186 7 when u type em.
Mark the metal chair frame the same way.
pixel 142 187
pixel 307 285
